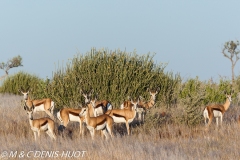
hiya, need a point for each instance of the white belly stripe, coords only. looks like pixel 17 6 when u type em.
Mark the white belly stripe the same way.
pixel 118 119
pixel 217 113
pixel 74 118
pixel 100 127
pixel 39 108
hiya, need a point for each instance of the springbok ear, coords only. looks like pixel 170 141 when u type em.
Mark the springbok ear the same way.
pixel 21 89
pixel 158 89
pixel 147 89
pixel 96 97
pixel 138 100
pixel 131 100
pixel 29 90
pixel 91 91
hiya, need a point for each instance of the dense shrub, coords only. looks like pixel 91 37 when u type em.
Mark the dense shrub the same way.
pixel 113 75
pixel 215 92
pixel 25 81
pixel 192 95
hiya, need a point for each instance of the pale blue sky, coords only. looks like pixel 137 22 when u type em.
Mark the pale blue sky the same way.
pixel 188 35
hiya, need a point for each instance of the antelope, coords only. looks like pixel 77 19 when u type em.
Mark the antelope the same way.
pixel 66 115
pixel 37 125
pixel 216 111
pixel 143 106
pixel 151 102
pixel 101 106
pixel 102 122
pixel 125 115
pixel 46 104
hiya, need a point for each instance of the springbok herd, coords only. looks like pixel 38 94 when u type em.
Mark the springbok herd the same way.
pixel 100 115
pixel 96 114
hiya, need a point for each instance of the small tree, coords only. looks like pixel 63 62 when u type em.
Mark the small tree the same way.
pixel 192 97
pixel 231 48
pixel 14 62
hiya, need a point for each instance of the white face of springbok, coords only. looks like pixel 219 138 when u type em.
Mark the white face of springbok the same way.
pixel 25 94
pixel 229 97
pixel 87 110
pixel 135 103
pixel 153 93
pixel 29 107
pixel 87 96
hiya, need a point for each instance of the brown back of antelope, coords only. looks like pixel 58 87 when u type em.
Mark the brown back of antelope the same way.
pixel 67 115
pixel 216 111
pixel 126 115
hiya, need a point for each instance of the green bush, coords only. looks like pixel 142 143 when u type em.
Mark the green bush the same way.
pixel 23 80
pixel 192 95
pixel 215 92
pixel 113 75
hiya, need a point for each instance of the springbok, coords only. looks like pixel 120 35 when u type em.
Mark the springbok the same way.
pixel 67 115
pixel 216 111
pixel 125 115
pixel 149 104
pixel 46 105
pixel 37 125
pixel 143 106
pixel 102 122
pixel 101 106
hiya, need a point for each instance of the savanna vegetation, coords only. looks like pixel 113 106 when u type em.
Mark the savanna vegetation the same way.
pixel 173 128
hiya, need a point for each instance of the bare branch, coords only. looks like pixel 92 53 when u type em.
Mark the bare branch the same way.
pixel 14 62
pixel 231 48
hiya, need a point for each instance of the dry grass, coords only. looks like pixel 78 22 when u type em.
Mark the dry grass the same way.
pixel 169 142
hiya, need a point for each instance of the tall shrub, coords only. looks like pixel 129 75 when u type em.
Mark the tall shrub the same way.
pixel 113 75
pixel 25 81
pixel 192 96
pixel 215 92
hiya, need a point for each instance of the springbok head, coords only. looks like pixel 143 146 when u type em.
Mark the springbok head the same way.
pixel 87 110
pixel 153 92
pixel 134 103
pixel 229 96
pixel 93 102
pixel 87 95
pixel 25 93
pixel 29 107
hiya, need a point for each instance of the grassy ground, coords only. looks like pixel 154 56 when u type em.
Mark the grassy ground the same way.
pixel 168 142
